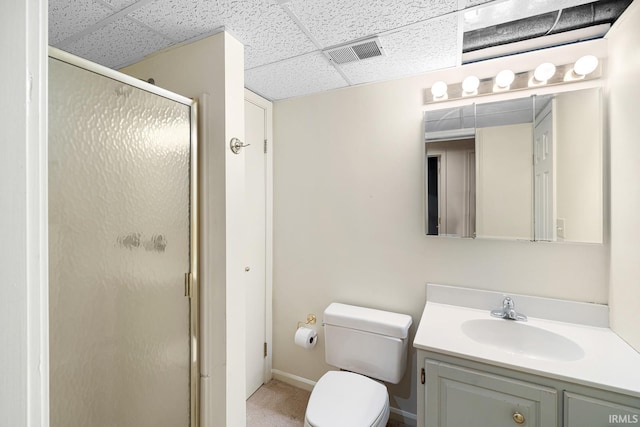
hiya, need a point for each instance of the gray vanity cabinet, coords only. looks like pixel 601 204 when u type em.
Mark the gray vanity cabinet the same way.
pixel 456 392
pixel 586 411
pixel 461 397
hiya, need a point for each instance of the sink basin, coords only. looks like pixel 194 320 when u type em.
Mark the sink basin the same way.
pixel 522 339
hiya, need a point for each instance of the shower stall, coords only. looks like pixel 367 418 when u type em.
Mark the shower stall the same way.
pixel 122 250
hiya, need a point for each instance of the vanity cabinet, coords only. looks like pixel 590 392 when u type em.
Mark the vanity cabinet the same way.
pixel 585 411
pixel 564 367
pixel 459 397
pixel 456 392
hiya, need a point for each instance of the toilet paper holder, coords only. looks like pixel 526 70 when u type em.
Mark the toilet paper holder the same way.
pixel 311 320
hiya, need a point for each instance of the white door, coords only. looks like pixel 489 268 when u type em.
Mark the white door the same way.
pixel 255 181
pixel 544 194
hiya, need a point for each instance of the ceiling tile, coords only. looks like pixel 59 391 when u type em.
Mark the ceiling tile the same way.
pixel 422 47
pixel 68 17
pixel 265 29
pixel 272 37
pixel 117 44
pixel 333 22
pixel 182 20
pixel 499 12
pixel 297 76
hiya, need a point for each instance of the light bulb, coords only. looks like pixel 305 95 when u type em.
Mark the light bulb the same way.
pixel 439 89
pixel 585 65
pixel 544 71
pixel 505 78
pixel 470 84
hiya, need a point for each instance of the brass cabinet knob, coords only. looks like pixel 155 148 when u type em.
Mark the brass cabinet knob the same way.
pixel 518 418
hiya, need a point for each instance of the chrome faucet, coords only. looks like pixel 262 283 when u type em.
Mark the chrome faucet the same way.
pixel 507 311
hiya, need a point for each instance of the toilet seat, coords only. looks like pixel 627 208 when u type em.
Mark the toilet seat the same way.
pixel 347 399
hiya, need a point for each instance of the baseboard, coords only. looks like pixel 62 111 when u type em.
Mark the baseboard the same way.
pixel 405 417
pixel 293 380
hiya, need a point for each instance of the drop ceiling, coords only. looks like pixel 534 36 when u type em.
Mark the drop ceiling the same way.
pixel 284 39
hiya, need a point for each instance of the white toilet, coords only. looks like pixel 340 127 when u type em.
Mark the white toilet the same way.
pixel 366 343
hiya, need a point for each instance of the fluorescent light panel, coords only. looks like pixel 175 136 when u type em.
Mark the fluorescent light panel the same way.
pixel 566 37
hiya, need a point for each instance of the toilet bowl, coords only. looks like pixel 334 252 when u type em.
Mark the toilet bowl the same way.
pixel 366 343
pixel 345 399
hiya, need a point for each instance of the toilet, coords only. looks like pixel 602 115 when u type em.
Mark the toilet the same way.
pixel 370 346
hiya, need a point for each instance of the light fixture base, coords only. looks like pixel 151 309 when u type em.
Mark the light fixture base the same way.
pixel 564 74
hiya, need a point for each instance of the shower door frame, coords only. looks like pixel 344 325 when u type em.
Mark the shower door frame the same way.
pixel 191 278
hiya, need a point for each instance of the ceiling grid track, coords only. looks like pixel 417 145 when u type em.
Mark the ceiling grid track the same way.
pixel 401 28
pixel 460 38
pixel 315 42
pixel 108 20
pixel 300 47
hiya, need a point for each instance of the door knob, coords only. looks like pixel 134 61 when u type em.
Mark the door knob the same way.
pixel 518 418
pixel 235 144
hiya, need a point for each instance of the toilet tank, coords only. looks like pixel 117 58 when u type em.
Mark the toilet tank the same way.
pixel 367 341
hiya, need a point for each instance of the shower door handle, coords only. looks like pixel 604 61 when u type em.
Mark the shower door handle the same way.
pixel 188 284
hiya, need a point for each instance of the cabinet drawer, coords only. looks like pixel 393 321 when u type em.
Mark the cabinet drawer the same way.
pixel 460 397
pixel 584 411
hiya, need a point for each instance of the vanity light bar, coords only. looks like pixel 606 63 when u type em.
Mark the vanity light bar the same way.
pixel 546 74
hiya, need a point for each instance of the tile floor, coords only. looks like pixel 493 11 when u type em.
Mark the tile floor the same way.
pixel 277 404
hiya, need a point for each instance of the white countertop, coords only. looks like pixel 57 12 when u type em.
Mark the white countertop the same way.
pixel 608 363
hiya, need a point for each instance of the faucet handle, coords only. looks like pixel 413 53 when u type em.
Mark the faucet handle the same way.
pixel 503 312
pixel 521 317
pixel 507 311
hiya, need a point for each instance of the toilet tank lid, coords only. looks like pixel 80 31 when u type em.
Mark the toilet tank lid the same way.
pixel 368 319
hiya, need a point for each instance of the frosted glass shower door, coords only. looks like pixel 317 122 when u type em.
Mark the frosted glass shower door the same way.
pixel 119 218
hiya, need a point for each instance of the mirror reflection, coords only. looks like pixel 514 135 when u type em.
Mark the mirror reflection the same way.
pixel 528 168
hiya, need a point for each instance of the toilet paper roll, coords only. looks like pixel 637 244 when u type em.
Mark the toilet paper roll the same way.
pixel 306 337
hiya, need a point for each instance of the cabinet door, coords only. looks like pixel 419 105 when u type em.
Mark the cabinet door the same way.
pixel 460 397
pixel 583 411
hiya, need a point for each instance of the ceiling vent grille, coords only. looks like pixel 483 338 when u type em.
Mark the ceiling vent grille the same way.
pixel 355 51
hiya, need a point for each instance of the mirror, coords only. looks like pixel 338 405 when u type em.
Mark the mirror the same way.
pixel 527 168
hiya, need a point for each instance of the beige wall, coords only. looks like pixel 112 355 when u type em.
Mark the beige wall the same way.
pixel 349 218
pixel 578 149
pixel 215 66
pixel 624 93
pixel 505 190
